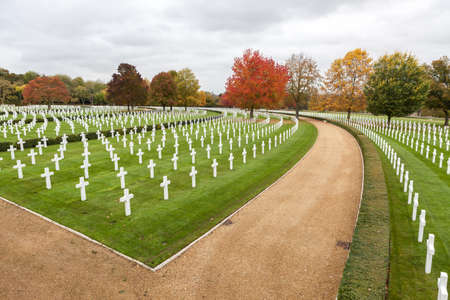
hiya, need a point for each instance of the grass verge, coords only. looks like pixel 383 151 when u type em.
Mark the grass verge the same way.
pixel 367 267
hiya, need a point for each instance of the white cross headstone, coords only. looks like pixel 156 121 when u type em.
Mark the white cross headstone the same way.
pixel 192 174
pixel 126 198
pixel 47 174
pixel 422 223
pixel 165 186
pixel 19 165
pixel 32 154
pixel 85 166
pixel 415 205
pixel 56 160
pixel 208 151
pixel 430 253
pixel 442 286
pixel 122 174
pixel 151 165
pixel 82 186
pixel 159 149
pixel 193 155
pixel 12 149
pixel 405 185
pixel 116 162
pixel 131 148
pixel 410 191
pixel 39 146
pixel 149 144
pixel 231 160
pixel 214 166
pixel 140 153
pixel 21 142
pixel 244 156
pixel 174 160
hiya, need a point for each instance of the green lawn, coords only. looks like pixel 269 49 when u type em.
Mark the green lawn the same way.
pixel 156 229
pixel 407 278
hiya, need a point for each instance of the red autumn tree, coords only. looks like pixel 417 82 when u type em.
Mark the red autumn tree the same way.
pixel 45 90
pixel 257 82
pixel 163 90
pixel 127 87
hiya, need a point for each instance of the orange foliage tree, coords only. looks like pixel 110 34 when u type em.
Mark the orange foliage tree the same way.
pixel 345 81
pixel 45 90
pixel 256 82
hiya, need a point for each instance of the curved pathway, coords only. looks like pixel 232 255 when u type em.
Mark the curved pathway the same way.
pixel 282 245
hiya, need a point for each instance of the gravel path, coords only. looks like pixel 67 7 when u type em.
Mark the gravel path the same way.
pixel 287 243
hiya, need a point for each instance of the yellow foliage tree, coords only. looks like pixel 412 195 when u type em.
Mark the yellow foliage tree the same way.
pixel 345 80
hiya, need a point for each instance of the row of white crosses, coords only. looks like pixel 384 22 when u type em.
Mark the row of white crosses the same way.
pixel 165 183
pixel 98 120
pixel 408 187
pixel 424 149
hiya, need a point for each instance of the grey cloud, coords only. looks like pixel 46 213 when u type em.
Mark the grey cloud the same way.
pixel 90 38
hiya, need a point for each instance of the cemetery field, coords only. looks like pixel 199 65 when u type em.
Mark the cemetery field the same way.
pixel 407 260
pixel 65 128
pixel 156 228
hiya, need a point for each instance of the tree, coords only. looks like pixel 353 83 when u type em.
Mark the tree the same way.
pixel 199 99
pixel 163 89
pixel 187 87
pixel 439 96
pixel 45 90
pixel 304 76
pixel 6 91
pixel 212 99
pixel 127 87
pixel 397 87
pixel 82 94
pixel 256 82
pixel 346 79
pixel 30 75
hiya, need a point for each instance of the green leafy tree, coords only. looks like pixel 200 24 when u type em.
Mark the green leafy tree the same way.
pixel 439 96
pixel 212 100
pixel 127 87
pixel 397 87
pixel 163 90
pixel 30 75
pixel 187 87
pixel 82 94
pixel 7 91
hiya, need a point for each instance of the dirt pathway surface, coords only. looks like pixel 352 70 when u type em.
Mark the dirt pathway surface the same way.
pixel 283 245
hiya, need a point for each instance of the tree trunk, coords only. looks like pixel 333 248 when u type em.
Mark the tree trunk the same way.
pixel 348 114
pixel 171 108
pixel 164 108
pixel 251 113
pixel 446 117
pixel 296 109
pixel 128 107
pixel 389 119
pixel 185 108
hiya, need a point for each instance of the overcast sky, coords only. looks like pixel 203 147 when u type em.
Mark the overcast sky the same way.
pixel 90 38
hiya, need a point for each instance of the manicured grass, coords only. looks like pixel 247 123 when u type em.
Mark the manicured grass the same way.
pixel 156 229
pixel 407 264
